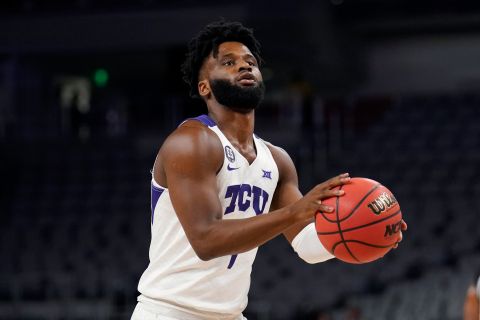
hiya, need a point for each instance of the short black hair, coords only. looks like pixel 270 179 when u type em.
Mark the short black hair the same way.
pixel 208 40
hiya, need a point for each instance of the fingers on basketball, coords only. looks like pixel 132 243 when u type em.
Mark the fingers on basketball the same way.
pixel 365 225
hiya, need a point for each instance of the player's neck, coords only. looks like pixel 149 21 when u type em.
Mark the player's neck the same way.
pixel 237 127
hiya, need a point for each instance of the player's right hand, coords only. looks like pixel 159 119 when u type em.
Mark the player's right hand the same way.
pixel 306 207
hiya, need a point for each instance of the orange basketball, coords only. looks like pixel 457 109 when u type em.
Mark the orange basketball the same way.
pixel 365 225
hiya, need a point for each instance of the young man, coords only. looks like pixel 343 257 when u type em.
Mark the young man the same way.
pixel 219 191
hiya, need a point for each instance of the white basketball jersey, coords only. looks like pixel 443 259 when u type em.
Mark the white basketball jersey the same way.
pixel 175 277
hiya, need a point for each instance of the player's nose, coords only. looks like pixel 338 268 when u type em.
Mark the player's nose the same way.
pixel 244 66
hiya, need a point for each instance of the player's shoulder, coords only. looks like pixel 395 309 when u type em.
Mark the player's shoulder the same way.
pixel 192 130
pixel 192 138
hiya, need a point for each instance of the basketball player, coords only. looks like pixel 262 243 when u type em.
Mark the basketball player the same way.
pixel 219 191
pixel 471 307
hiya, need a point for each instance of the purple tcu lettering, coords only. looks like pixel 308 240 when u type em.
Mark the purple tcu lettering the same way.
pixel 232 192
pixel 245 196
pixel 258 194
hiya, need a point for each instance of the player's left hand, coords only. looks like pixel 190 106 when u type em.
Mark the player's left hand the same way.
pixel 404 227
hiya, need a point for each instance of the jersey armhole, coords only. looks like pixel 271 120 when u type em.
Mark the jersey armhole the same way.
pixel 156 184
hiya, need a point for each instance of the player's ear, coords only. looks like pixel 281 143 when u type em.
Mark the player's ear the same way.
pixel 203 85
pixel 204 88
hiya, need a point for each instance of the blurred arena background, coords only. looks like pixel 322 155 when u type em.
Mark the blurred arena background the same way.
pixel 383 89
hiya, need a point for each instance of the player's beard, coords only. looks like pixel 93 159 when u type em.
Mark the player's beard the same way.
pixel 242 99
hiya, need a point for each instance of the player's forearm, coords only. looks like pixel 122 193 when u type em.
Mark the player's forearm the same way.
pixel 232 236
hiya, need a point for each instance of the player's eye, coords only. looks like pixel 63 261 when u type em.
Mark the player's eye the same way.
pixel 227 63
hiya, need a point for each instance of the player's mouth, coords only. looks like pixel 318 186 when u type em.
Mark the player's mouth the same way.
pixel 246 79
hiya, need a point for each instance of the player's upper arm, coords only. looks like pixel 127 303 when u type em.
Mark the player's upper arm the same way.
pixel 287 191
pixel 189 160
